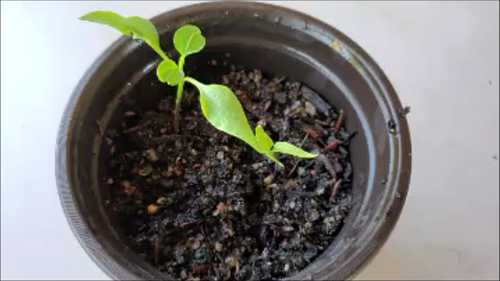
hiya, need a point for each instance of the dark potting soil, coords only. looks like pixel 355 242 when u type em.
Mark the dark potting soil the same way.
pixel 202 204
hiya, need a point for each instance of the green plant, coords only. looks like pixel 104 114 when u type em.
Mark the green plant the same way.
pixel 219 104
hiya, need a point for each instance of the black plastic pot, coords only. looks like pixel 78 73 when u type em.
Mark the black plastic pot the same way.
pixel 276 40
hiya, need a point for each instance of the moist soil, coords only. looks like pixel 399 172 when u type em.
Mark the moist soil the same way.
pixel 200 204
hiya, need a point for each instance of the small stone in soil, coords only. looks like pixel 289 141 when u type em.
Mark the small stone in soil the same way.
pixel 280 97
pixel 152 209
pixel 162 201
pixel 167 183
pixel 220 155
pixel 218 247
pixel 301 171
pixel 195 244
pixel 151 155
pixel 310 109
pixel 145 171
pixel 269 179
pixel 129 189
pixel 316 100
pixel 220 209
pixel 313 215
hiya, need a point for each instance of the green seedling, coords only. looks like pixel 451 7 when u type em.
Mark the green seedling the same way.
pixel 218 103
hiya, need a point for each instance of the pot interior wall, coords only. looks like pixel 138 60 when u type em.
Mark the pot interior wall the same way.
pixel 279 45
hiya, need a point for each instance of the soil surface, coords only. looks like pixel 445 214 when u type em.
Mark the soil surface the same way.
pixel 203 205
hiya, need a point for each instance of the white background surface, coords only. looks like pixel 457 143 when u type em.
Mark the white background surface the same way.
pixel 442 59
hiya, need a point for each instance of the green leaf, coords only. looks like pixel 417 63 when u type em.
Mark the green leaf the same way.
pixel 168 72
pixel 188 40
pixel 263 138
pixel 271 156
pixel 108 18
pixel 137 27
pixel 288 148
pixel 145 30
pixel 266 143
pixel 221 108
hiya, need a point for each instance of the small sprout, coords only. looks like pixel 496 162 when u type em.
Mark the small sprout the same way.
pixel 268 147
pixel 218 103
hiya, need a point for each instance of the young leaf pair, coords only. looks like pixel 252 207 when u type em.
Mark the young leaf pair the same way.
pixel 218 103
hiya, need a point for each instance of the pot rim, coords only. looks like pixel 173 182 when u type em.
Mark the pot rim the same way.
pixel 110 266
